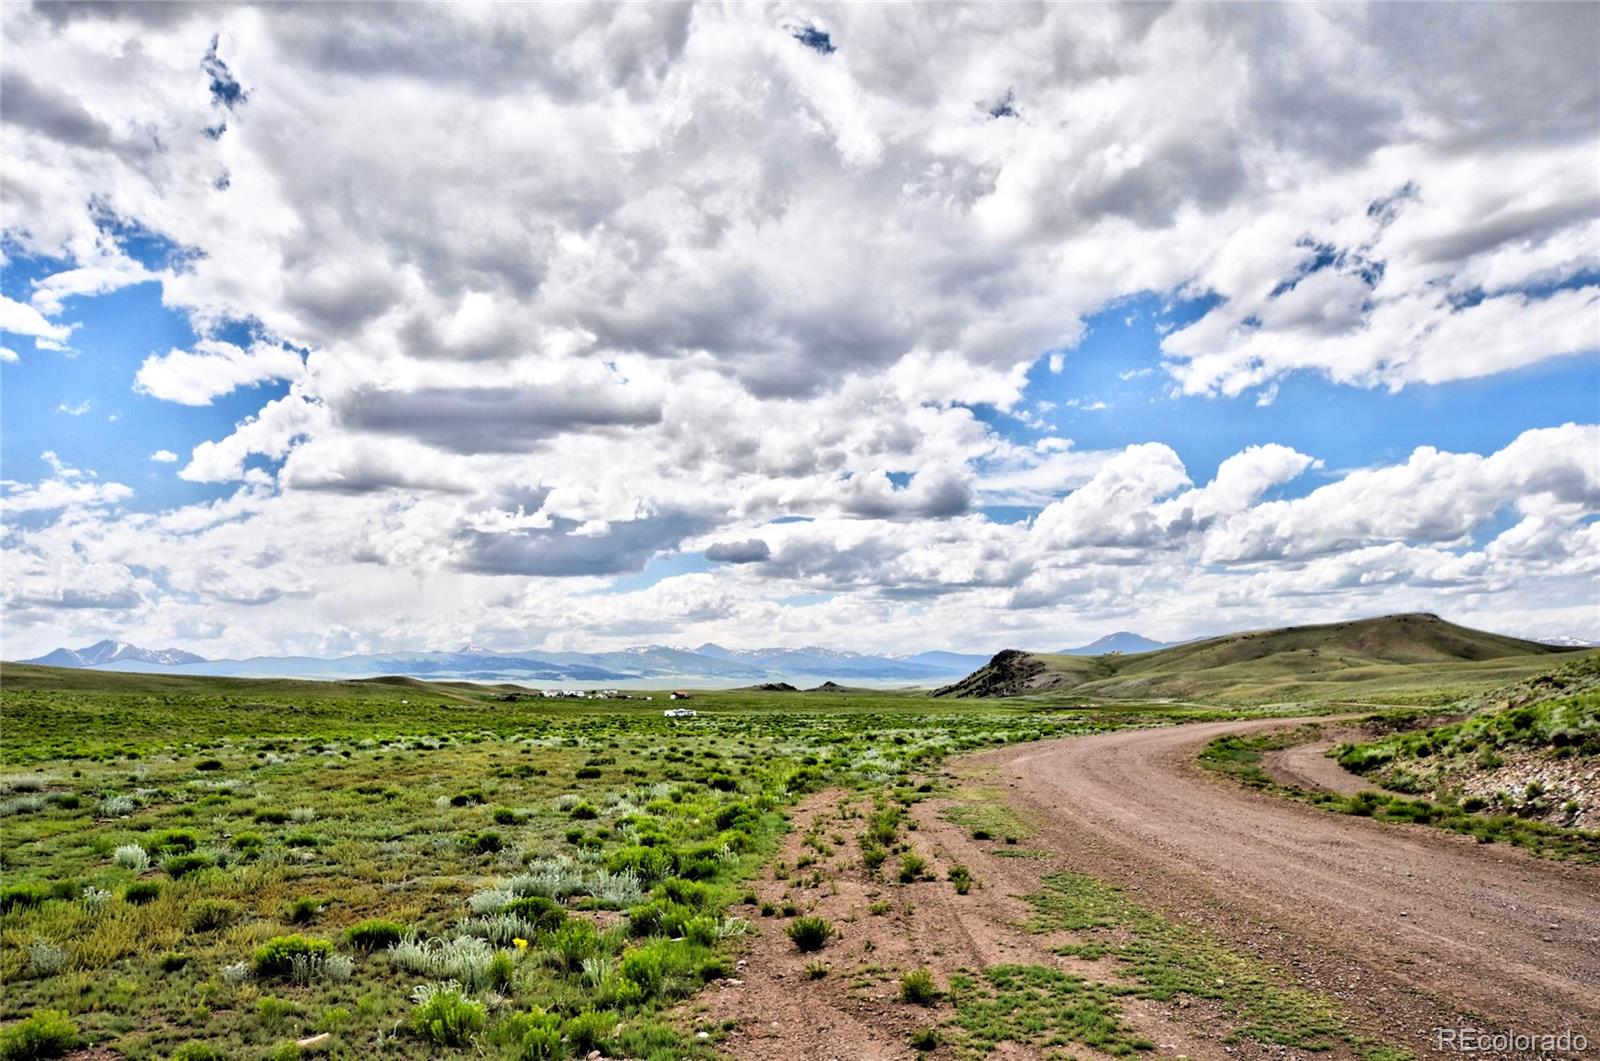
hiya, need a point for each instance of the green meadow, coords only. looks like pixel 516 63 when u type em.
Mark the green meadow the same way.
pixel 204 868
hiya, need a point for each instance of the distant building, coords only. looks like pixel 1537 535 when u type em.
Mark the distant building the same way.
pixel 679 694
pixel 679 712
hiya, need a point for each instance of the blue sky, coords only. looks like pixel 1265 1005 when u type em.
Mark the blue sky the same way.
pixel 991 327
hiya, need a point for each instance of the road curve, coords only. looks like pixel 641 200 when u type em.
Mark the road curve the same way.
pixel 1407 910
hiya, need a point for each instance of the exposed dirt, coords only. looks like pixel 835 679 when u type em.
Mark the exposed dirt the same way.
pixel 854 1011
pixel 1410 928
pixel 1308 766
pixel 1415 926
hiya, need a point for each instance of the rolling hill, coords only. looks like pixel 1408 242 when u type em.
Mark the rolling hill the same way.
pixel 1351 660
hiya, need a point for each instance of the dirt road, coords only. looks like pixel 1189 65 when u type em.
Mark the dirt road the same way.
pixel 1409 920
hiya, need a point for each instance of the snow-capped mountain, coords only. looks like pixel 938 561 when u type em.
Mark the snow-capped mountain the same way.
pixel 103 652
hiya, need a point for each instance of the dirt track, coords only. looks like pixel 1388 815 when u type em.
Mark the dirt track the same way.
pixel 1410 929
pixel 1412 922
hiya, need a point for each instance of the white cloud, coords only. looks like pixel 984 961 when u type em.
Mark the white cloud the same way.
pixel 164 456
pixel 212 369
pixel 76 408
pixel 22 319
pixel 682 277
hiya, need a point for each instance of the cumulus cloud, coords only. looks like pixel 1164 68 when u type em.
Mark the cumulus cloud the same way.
pixel 749 551
pixel 213 368
pixel 164 456
pixel 22 319
pixel 701 270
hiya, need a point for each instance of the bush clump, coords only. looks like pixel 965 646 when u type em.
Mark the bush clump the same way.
pixel 48 1033
pixel 178 866
pixel 918 987
pixel 545 915
pixel 809 933
pixel 275 957
pixel 374 934
pixel 446 1016
pixel 590 1030
pixel 141 891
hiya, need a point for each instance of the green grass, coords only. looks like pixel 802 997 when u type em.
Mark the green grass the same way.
pixel 1239 757
pixel 1554 717
pixel 1038 1006
pixel 406 844
pixel 1159 959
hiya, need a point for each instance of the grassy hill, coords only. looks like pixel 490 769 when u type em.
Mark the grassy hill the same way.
pixel 1396 658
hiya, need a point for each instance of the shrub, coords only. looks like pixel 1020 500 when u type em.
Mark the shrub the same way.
pixel 172 961
pixel 646 968
pixel 573 942
pixel 446 1016
pixel 48 1033
pixel 21 897
pixel 141 891
pixel 132 857
pixel 374 934
pixel 116 806
pixel 249 843
pixel 961 877
pixel 925 1039
pixel 506 816
pixel 702 930
pixel 911 867
pixel 690 893
pixel 208 765
pixel 809 933
pixel 587 773
pixel 302 911
pixel 650 863
pixel 585 812
pixel 177 866
pixel 466 960
pixel 484 843
pixel 208 915
pixel 535 1035
pixel 589 1030
pixel 172 842
pixel 195 1052
pixel 658 917
pixel 545 915
pixel 45 958
pixel 816 970
pixel 275 958
pixel 918 987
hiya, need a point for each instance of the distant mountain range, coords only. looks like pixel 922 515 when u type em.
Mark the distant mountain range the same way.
pixel 708 663
pixel 102 653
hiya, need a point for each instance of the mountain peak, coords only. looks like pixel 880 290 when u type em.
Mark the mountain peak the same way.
pixel 110 651
pixel 1124 642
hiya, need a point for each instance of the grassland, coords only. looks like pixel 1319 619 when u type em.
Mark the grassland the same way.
pixel 223 868
pixel 1394 660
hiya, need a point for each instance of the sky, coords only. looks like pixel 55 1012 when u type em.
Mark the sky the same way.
pixel 332 329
